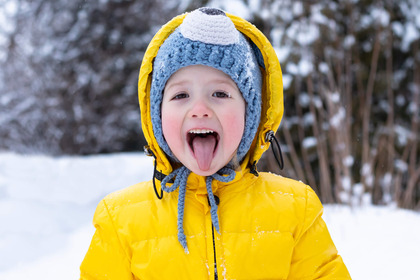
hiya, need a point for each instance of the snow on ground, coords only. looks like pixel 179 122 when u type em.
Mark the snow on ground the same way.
pixel 376 242
pixel 47 204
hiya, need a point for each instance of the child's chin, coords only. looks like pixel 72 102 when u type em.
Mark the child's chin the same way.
pixel 215 166
pixel 200 172
pixel 197 170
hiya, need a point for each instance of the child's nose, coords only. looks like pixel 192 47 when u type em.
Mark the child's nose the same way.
pixel 200 110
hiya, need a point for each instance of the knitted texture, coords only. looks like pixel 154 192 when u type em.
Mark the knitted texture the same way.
pixel 181 183
pixel 208 37
pixel 210 28
pixel 181 175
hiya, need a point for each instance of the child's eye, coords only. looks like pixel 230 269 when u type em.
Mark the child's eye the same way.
pixel 221 94
pixel 181 95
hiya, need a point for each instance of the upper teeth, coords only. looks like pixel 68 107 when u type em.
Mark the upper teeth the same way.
pixel 200 131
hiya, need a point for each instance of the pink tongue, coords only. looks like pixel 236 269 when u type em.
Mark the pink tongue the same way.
pixel 203 150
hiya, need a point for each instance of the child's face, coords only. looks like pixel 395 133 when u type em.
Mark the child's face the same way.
pixel 203 116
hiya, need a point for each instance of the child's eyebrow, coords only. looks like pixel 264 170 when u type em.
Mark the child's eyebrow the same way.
pixel 227 82
pixel 175 84
pixel 181 83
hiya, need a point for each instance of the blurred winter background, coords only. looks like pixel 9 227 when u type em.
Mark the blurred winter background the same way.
pixel 70 125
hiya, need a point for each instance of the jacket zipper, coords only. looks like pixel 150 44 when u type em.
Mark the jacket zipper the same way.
pixel 214 250
pixel 214 243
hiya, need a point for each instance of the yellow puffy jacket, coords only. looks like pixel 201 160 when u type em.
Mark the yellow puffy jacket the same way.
pixel 270 226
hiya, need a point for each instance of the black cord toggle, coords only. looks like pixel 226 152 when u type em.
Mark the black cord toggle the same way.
pixel 253 169
pixel 156 174
pixel 269 137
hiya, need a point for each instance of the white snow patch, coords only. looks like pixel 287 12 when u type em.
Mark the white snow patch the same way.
pixel 398 28
pixel 401 165
pixel 344 197
pixel 384 105
pixel 338 118
pixel 305 67
pixel 308 119
pixel 317 102
pixel 317 16
pixel 358 189
pixel 235 7
pixel 335 97
pixel 323 67
pixel 7 11
pixel 403 134
pixel 292 68
pixel 348 161
pixel 369 180
pixel 254 5
pixel 412 108
pixel 303 34
pixel 387 198
pixel 276 36
pixel 346 182
pixel 387 179
pixel 400 100
pixel 410 35
pixel 383 233
pixel 304 100
pixel 365 21
pixel 366 199
pixel 366 169
pixel 297 8
pixel 381 16
pixel 282 53
pixel 349 41
pixel 309 142
pixel 44 201
pixel 287 81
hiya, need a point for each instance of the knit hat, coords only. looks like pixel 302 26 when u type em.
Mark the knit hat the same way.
pixel 208 37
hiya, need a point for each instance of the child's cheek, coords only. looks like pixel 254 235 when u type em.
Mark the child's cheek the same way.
pixel 171 131
pixel 234 127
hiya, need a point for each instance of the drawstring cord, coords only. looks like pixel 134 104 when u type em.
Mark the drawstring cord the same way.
pixel 269 137
pixel 181 174
pixel 154 177
pixel 213 204
pixel 156 174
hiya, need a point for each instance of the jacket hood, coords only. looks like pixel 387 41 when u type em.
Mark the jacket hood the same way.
pixel 272 91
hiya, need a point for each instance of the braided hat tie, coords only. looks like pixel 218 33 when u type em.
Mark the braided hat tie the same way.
pixel 181 175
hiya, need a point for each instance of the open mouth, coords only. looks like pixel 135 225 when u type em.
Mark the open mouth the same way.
pixel 203 144
pixel 205 135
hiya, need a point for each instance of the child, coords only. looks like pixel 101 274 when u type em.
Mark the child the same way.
pixel 210 91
